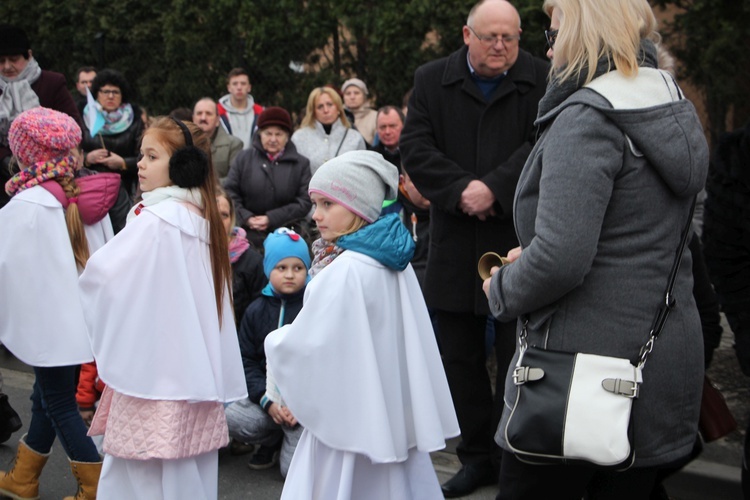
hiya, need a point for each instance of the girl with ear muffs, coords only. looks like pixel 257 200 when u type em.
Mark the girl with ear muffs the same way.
pixel 159 310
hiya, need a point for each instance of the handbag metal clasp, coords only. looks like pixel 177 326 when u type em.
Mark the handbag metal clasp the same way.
pixel 621 387
pixel 523 374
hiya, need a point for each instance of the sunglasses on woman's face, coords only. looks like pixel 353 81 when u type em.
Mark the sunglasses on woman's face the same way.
pixel 551 36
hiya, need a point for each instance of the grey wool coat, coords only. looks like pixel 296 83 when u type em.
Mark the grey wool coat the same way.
pixel 452 136
pixel 320 147
pixel 599 211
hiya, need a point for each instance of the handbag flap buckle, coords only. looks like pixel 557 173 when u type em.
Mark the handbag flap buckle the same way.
pixel 523 374
pixel 626 388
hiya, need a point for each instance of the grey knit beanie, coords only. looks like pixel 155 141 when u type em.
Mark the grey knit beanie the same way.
pixel 358 180
pixel 357 83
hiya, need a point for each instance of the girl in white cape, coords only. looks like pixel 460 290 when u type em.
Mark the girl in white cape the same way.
pixel 49 228
pixel 359 367
pixel 160 318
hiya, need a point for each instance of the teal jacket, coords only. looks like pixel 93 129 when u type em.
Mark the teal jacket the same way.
pixel 385 240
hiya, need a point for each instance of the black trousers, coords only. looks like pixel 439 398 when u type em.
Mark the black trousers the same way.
pixel 706 301
pixel 462 342
pixel 522 481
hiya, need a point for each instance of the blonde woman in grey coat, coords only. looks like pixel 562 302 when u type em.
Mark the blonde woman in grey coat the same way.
pixel 325 132
pixel 599 209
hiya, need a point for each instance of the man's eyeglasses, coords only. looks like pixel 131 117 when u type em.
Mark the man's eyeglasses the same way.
pixel 111 93
pixel 551 36
pixel 491 40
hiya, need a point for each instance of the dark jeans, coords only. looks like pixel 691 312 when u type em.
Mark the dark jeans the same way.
pixel 54 413
pixel 519 480
pixel 462 343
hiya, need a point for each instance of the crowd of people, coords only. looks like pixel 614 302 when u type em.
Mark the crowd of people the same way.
pixel 305 290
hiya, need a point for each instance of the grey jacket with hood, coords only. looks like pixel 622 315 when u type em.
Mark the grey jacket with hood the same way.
pixel 599 209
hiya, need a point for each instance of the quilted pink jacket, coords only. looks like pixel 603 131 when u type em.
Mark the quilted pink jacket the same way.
pixel 98 193
pixel 141 429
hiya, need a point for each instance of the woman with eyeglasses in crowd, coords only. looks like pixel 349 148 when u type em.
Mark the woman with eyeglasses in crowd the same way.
pixel 115 147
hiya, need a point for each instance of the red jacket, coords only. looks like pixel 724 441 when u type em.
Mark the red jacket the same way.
pixel 90 386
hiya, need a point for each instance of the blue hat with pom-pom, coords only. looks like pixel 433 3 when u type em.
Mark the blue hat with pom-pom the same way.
pixel 281 244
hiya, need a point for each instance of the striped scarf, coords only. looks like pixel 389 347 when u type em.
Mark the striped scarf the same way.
pixel 40 172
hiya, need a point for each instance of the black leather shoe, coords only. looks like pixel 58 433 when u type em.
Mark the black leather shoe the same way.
pixel 237 447
pixel 469 478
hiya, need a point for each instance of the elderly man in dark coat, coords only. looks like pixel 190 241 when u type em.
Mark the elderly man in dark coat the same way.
pixel 467 135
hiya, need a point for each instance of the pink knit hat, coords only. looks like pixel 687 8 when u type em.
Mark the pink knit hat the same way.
pixel 42 134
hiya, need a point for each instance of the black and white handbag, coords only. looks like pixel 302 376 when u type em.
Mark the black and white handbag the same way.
pixel 575 408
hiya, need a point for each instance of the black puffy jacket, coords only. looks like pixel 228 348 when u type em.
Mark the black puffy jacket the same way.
pixel 260 319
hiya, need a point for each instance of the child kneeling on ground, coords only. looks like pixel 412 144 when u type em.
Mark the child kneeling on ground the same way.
pixel 262 418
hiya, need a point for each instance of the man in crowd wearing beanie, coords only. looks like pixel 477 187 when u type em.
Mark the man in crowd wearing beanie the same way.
pixel 268 182
pixel 24 85
pixel 355 99
pixel 238 110
pixel 467 135
pixel 224 147
pixel 263 418
pixel 359 368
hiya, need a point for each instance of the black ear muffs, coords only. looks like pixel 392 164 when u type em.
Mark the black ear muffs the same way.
pixel 188 166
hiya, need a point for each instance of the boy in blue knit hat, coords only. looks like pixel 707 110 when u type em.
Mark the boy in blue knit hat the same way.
pixel 263 418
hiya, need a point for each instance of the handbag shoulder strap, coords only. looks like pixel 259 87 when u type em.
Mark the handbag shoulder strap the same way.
pixel 662 312
pixel 342 142
pixel 669 301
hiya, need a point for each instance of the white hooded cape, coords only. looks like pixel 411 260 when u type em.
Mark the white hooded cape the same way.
pixel 148 297
pixel 41 318
pixel 359 367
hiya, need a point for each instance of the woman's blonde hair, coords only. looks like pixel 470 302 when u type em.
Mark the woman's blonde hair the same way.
pixel 594 29
pixel 171 137
pixel 309 119
pixel 357 224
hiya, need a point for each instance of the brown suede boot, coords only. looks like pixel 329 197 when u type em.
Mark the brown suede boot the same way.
pixel 22 481
pixel 87 475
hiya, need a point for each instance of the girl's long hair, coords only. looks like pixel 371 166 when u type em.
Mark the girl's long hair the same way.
pixel 76 229
pixel 169 134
